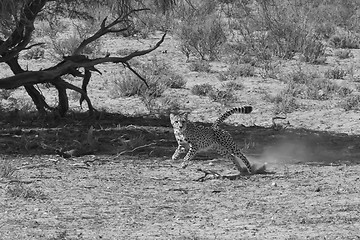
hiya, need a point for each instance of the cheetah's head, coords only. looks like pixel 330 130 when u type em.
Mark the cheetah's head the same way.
pixel 178 121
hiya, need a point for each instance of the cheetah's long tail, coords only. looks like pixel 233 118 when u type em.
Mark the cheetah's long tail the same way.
pixel 244 109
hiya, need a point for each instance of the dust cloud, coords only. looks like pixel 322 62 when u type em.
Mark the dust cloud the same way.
pixel 284 152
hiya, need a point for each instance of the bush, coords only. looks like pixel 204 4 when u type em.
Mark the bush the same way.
pixel 345 41
pixel 6 93
pixel 20 191
pixel 325 29
pixel 66 46
pixel 176 81
pixel 233 86
pixel 6 169
pixel 158 75
pixel 343 53
pixel 200 66
pixel 202 36
pixel 317 89
pixel 301 77
pixel 242 70
pixel 34 53
pixel 351 103
pixel 201 89
pixel 313 50
pixel 285 104
pixel 126 86
pixel 335 73
pixel 288 31
pixel 237 70
pixel 222 96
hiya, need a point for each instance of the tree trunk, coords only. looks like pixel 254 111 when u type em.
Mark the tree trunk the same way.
pixel 63 105
pixel 35 95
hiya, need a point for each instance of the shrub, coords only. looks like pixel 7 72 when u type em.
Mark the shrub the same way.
pixel 163 106
pixel 233 86
pixel 237 70
pixel 20 191
pixel 269 69
pixel 344 91
pixel 345 41
pixel 321 89
pixel 6 93
pixel 176 81
pixel 242 70
pixel 351 103
pixel 6 169
pixel 335 73
pixel 310 86
pixel 201 89
pixel 238 53
pixel 149 22
pixel 325 29
pixel 202 36
pixel 126 86
pixel 288 31
pixel 283 102
pixel 313 50
pixel 301 77
pixel 343 53
pixel 66 46
pixel 34 53
pixel 222 96
pixel 200 66
pixel 158 76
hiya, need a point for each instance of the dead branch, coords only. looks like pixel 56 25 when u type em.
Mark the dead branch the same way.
pixel 21 36
pixel 68 65
pixel 133 150
pixel 104 29
pixel 81 91
pixel 136 73
pixel 18 181
pixel 34 45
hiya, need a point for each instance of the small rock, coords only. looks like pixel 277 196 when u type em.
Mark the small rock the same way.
pixel 317 189
pixel 274 184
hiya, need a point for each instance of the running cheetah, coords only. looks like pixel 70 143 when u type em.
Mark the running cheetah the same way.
pixel 201 137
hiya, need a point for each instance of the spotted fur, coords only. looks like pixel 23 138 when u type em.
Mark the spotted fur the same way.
pixel 201 137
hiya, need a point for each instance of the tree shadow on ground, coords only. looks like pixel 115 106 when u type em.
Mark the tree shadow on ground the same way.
pixel 117 134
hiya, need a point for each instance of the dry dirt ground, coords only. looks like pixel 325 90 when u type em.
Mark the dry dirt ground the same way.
pixel 126 187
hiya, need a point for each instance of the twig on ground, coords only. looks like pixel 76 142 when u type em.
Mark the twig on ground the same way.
pixel 276 126
pixel 183 190
pixel 208 172
pixel 133 150
pixel 18 181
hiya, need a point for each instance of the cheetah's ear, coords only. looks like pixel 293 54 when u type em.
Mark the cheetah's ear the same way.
pixel 185 115
pixel 172 116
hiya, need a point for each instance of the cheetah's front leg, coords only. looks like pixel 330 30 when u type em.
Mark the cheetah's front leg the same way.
pixel 189 156
pixel 180 149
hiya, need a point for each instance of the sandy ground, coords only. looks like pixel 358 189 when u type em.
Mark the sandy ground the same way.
pixel 132 198
pixel 311 190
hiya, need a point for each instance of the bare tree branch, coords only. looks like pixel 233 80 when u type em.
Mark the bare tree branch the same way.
pixel 137 74
pixel 79 90
pixel 21 36
pixel 67 66
pixel 104 29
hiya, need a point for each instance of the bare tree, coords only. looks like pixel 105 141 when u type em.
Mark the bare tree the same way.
pixel 17 25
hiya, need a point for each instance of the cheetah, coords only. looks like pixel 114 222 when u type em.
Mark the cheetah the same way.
pixel 201 137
